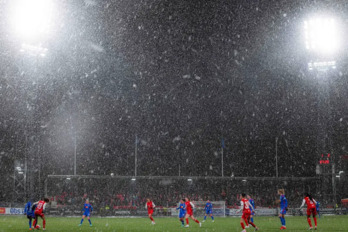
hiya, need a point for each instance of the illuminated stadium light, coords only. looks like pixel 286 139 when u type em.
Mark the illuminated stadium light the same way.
pixel 20 173
pixel 68 178
pixel 322 65
pixel 133 179
pixel 321 35
pixel 34 50
pixel 31 19
pixel 189 180
pixel 244 180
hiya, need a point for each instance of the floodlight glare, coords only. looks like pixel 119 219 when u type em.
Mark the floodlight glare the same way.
pixel 33 50
pixel 322 65
pixel 31 18
pixel 321 35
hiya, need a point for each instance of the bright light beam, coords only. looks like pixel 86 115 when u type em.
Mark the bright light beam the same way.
pixel 31 19
pixel 322 65
pixel 321 35
pixel 34 50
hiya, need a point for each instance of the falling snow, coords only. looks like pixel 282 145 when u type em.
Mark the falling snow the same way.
pixel 144 95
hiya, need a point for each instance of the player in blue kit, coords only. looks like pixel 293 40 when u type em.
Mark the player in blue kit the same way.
pixel 29 210
pixel 87 210
pixel 182 212
pixel 252 203
pixel 208 210
pixel 283 207
pixel 318 208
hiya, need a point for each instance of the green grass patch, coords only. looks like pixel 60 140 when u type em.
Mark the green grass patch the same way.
pixel 17 223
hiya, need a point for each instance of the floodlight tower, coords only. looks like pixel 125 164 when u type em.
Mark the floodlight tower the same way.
pixel 32 21
pixel 322 41
pixel 321 35
pixel 19 180
pixel 31 25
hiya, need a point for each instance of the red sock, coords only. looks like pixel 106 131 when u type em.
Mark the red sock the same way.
pixel 151 218
pixel 251 223
pixel 315 221
pixel 196 221
pixel 309 222
pixel 34 223
pixel 242 224
pixel 44 223
pixel 187 221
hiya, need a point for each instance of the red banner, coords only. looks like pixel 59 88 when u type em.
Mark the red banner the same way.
pixel 2 210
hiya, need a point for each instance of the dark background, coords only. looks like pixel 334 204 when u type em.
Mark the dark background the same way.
pixel 181 75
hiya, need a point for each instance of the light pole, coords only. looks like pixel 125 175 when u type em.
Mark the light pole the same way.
pixel 222 161
pixel 322 41
pixel 136 155
pixel 30 23
pixel 73 132
pixel 18 182
pixel 276 155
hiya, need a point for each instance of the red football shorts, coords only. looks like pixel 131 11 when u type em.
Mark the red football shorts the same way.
pixel 150 211
pixel 246 214
pixel 38 214
pixel 312 211
pixel 190 213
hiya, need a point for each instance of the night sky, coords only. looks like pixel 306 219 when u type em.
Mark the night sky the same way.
pixel 182 76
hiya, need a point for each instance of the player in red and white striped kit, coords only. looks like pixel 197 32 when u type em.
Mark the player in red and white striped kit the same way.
pixel 247 208
pixel 189 212
pixel 40 210
pixel 150 206
pixel 311 210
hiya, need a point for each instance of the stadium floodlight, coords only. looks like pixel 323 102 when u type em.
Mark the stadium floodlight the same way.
pixel 321 35
pixel 244 180
pixel 20 173
pixel 34 50
pixel 31 19
pixel 133 179
pixel 189 180
pixel 68 178
pixel 322 65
